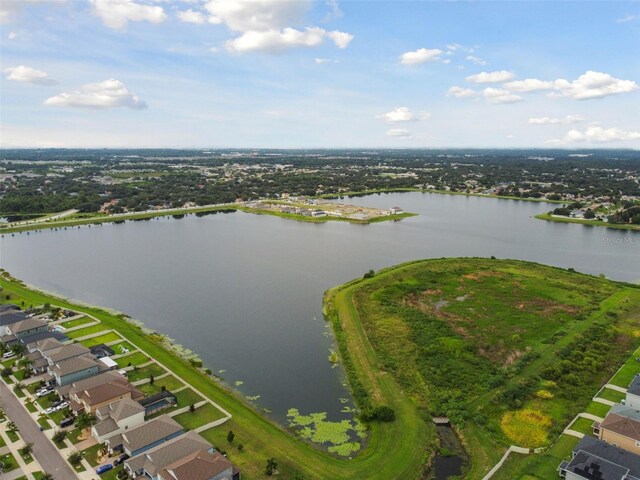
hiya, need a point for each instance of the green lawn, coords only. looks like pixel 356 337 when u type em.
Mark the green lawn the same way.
pixel 19 374
pixel 14 437
pixel 583 425
pixel 91 454
pixel 83 332
pixel 46 401
pixel 186 397
pixel 170 383
pixel 76 322
pixel 106 338
pixel 117 347
pixel 627 373
pixel 612 395
pixel 144 372
pixel 202 415
pixel 598 409
pixel 31 407
pixel 73 435
pixel 27 458
pixel 10 462
pixel 132 359
pixel 2 442
pixel 44 423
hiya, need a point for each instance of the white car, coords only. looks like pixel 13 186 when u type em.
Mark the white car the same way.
pixel 44 391
pixel 8 355
pixel 62 406
pixel 50 410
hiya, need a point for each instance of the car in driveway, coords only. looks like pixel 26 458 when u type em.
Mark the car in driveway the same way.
pixel 120 459
pixel 8 355
pixel 62 405
pixel 44 391
pixel 103 468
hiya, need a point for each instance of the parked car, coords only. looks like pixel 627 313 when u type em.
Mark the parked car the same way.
pixel 62 405
pixel 49 410
pixel 66 422
pixel 120 459
pixel 8 355
pixel 103 468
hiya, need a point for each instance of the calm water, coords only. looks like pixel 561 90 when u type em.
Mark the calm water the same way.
pixel 245 291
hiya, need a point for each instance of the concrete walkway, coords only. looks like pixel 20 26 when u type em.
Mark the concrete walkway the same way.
pixel 616 388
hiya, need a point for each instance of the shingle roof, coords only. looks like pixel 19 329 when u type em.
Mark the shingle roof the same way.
pixel 200 465
pixel 98 379
pixel 9 317
pixel 150 432
pixel 121 409
pixel 27 324
pixel 167 453
pixel 106 426
pixel 634 386
pixel 624 426
pixel 101 393
pixel 6 307
pixel 46 344
pixel 603 450
pixel 67 351
pixel 592 467
pixel 625 411
pixel 74 364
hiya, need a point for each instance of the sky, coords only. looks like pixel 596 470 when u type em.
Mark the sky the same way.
pixel 319 74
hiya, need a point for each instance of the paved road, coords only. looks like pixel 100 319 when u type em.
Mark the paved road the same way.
pixel 47 455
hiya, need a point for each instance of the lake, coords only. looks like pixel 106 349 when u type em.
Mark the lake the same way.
pixel 245 291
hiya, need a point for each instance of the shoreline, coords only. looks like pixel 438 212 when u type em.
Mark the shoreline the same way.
pixel 591 223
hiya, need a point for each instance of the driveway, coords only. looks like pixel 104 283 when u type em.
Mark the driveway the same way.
pixel 47 455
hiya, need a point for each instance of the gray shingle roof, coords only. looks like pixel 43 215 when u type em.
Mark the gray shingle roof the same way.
pixel 26 324
pixel 634 386
pixel 75 364
pixel 597 448
pixel 10 317
pixel 150 432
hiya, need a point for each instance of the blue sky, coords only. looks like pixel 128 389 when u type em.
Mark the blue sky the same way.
pixel 272 73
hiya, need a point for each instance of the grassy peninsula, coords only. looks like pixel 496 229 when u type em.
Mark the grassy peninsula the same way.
pixel 510 351
pixel 594 223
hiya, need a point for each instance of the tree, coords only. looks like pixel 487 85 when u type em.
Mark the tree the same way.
pixel 59 436
pixel 84 420
pixel 192 408
pixel 151 379
pixel 240 447
pixel 75 458
pixel 46 476
pixel 272 466
pixel 27 449
pixel 6 372
pixel 18 349
pixel 230 436
pixel 24 362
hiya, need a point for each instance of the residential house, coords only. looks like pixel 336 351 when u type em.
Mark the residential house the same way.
pixel 73 369
pixel 621 428
pixel 395 211
pixel 91 399
pixel 67 391
pixel 9 317
pixel 117 417
pixel 101 350
pixel 157 402
pixel 27 327
pixel 43 346
pixel 65 352
pixel 151 462
pixel 200 465
pixel 146 436
pixel 633 394
pixel 594 459
pixel 8 307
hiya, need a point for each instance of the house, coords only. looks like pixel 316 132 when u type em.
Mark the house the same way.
pixel 8 307
pixel 200 465
pixel 621 427
pixel 151 462
pixel 39 364
pixel 67 391
pixel 159 401
pixel 73 369
pixel 44 345
pixel 318 213
pixel 594 459
pixel 144 437
pixel 27 327
pixel 64 352
pixel 101 350
pixel 9 317
pixel 91 399
pixel 633 394
pixel 395 211
pixel 117 417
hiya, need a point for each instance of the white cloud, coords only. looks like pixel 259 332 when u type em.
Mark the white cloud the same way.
pixel 593 85
pixel 399 114
pixel 276 40
pixel 568 120
pixel 12 35
pixel 476 60
pixel 26 74
pixel 460 92
pixel 265 25
pixel 597 134
pixel 491 77
pixel 321 61
pixel 529 85
pixel 398 133
pixel 117 13
pixel 500 95
pixel 627 18
pixel 421 55
pixel 10 9
pixel 107 94
pixel 191 16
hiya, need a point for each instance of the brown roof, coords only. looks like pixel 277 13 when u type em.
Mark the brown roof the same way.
pixel 90 382
pixel 624 426
pixel 67 351
pixel 46 344
pixel 200 465
pixel 74 364
pixel 149 432
pixel 102 393
pixel 28 324
pixel 121 409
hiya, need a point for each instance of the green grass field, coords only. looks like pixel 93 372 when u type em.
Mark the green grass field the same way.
pixel 503 348
pixel 82 332
pixel 598 409
pixel 106 338
pixel 144 372
pixel 76 322
pixel 132 359
pixel 583 425
pixel 186 397
pixel 202 415
pixel 612 395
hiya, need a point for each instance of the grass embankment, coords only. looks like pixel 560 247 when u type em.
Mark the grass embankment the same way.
pixel 594 223
pixel 304 218
pixel 393 450
pixel 510 351
pixel 101 218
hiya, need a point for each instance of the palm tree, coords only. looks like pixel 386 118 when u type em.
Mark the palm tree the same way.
pixel 84 420
pixel 272 466
pixel 12 428
pixel 47 476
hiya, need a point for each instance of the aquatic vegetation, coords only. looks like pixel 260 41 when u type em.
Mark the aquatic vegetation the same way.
pixel 253 398
pixel 237 383
pixel 333 356
pixel 338 436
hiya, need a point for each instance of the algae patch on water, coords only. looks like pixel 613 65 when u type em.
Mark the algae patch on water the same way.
pixel 337 436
